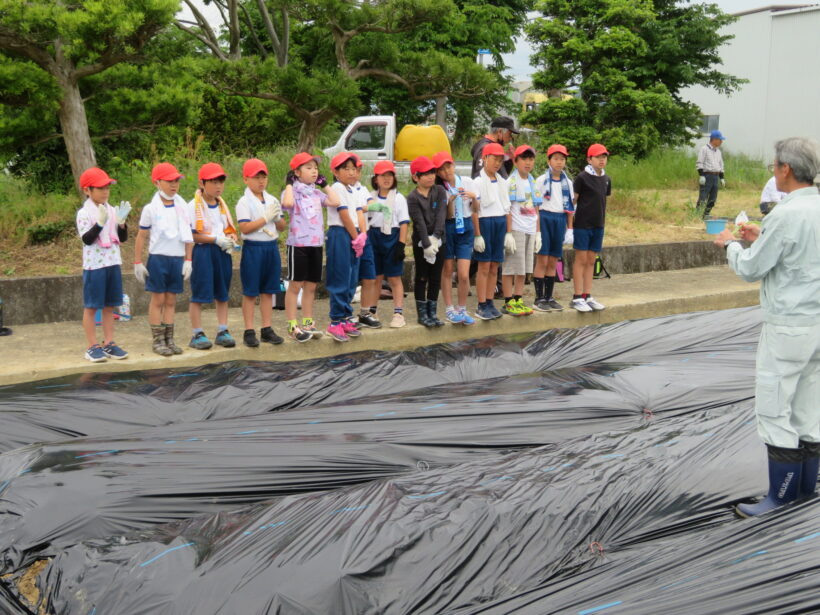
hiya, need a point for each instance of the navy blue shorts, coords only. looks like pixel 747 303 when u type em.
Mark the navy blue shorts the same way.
pixel 553 229
pixel 493 230
pixel 384 248
pixel 211 275
pixel 164 274
pixel 367 262
pixel 459 245
pixel 591 239
pixel 260 268
pixel 102 287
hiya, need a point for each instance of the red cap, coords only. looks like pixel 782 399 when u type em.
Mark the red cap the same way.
pixel 557 148
pixel 254 167
pixel 384 166
pixel 422 164
pixel 523 149
pixel 211 170
pixel 302 158
pixel 596 149
pixel 442 158
pixel 95 178
pixel 492 149
pixel 341 158
pixel 165 171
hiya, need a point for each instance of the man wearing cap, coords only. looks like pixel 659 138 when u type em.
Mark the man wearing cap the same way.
pixel 710 168
pixel 502 131
pixel 214 240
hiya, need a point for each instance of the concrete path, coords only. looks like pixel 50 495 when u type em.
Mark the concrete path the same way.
pixel 41 351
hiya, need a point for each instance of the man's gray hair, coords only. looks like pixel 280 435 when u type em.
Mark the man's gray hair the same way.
pixel 801 155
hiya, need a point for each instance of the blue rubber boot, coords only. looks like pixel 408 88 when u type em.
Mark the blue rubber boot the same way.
pixel 785 470
pixel 811 466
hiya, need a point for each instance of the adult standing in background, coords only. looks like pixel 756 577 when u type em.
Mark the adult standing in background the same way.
pixel 710 169
pixel 502 131
pixel 784 255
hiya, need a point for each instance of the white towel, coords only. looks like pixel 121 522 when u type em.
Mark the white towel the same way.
pixel 171 222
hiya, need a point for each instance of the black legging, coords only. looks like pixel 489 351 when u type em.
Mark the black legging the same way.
pixel 428 277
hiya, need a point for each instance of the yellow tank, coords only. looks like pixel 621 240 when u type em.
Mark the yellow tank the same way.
pixel 413 141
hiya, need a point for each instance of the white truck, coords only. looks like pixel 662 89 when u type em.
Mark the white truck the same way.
pixel 374 138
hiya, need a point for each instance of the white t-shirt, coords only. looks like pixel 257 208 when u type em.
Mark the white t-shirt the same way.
pixel 95 256
pixel 217 221
pixel 250 208
pixel 352 198
pixel 524 212
pixel 169 225
pixel 494 196
pixel 770 192
pixel 401 214
pixel 555 203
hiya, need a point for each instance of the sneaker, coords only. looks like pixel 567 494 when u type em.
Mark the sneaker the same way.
pixel 300 336
pixel 542 305
pixel 95 354
pixel 494 310
pixel 267 334
pixel 485 312
pixel 249 337
pixel 337 332
pixel 225 339
pixel 466 319
pixel 398 321
pixel 369 320
pixel 455 317
pixel 525 309
pixel 200 341
pixel 511 307
pixel 112 351
pixel 580 305
pixel 309 325
pixel 555 306
pixel 350 329
pixel 595 305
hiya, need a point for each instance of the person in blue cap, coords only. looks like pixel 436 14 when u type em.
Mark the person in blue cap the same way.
pixel 710 169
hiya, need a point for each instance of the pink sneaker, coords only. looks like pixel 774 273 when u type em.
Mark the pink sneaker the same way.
pixel 337 332
pixel 350 329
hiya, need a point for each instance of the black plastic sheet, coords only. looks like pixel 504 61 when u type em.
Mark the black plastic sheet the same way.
pixel 586 471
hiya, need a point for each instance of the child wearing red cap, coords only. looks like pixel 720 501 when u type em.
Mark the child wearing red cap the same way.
pixel 525 198
pixel 259 216
pixel 493 236
pixel 303 199
pixel 388 219
pixel 102 229
pixel 459 233
pixel 214 240
pixel 165 223
pixel 592 186
pixel 556 220
pixel 346 238
pixel 427 205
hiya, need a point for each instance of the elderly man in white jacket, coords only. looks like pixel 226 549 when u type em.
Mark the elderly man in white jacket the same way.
pixel 785 255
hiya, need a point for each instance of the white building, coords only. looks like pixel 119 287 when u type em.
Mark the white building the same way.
pixel 777 48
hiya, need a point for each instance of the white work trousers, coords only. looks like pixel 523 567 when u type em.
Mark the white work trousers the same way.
pixel 787 390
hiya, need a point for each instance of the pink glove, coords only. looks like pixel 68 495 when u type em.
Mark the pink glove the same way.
pixel 358 244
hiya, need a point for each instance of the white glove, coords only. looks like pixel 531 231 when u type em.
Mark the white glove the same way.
pixel 122 211
pixel 187 267
pixel 702 180
pixel 537 244
pixel 430 252
pixel 509 243
pixel 722 183
pixel 436 242
pixel 102 214
pixel 569 237
pixel 479 245
pixel 273 212
pixel 140 272
pixel 225 244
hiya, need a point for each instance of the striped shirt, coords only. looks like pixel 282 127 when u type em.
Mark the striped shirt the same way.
pixel 710 160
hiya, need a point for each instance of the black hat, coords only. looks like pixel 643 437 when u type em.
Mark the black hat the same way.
pixel 504 122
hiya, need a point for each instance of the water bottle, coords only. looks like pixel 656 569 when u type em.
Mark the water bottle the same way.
pixel 125 308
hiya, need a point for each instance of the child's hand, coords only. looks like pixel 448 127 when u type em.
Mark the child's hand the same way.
pixel 290 178
pixel 122 212
pixel 468 194
pixel 321 181
pixel 102 214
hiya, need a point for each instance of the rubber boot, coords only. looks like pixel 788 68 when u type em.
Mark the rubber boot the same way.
pixel 424 318
pixel 785 469
pixel 169 340
pixel 159 346
pixel 811 466
pixel 432 307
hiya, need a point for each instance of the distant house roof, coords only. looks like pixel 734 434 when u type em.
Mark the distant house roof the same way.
pixel 773 8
